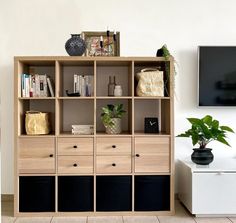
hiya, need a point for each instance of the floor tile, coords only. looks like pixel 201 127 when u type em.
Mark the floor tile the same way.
pixel 110 219
pixel 33 220
pixel 182 215
pixel 7 219
pixel 69 220
pixel 140 219
pixel 212 220
pixel 233 219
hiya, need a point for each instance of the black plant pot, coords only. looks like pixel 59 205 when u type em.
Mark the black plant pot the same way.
pixel 202 156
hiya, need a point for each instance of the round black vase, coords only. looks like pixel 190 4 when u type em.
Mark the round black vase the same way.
pixel 202 156
pixel 75 46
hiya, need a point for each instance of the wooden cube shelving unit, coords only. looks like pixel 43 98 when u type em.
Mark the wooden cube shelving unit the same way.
pixel 62 174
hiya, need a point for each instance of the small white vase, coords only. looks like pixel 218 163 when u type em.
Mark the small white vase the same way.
pixel 116 128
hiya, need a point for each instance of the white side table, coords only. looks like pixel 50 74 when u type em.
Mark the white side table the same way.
pixel 208 190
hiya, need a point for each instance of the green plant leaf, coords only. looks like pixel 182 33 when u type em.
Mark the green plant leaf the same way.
pixel 222 140
pixel 226 128
pixel 208 120
pixel 215 124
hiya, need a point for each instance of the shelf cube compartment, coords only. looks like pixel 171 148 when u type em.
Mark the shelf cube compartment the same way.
pixel 152 193
pixel 41 105
pixel 70 68
pixel 36 194
pixel 75 193
pixel 160 65
pixel 75 112
pixel 114 193
pixel 126 120
pixel 122 70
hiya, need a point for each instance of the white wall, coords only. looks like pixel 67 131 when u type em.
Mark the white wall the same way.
pixel 42 27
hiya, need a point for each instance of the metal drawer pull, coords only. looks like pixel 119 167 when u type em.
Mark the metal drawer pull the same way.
pixel 137 155
pixel 51 155
pixel 75 165
pixel 113 164
pixel 113 146
pixel 75 146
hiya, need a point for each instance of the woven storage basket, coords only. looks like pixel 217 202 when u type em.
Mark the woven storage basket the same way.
pixel 150 82
pixel 37 123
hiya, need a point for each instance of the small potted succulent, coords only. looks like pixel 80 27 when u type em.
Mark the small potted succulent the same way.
pixel 111 118
pixel 202 132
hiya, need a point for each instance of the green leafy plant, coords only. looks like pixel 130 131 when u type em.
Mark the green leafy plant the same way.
pixel 110 112
pixel 206 130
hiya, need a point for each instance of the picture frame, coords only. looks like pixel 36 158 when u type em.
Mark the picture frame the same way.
pixel 110 46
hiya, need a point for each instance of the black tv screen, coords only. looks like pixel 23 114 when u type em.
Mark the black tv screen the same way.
pixel 217 76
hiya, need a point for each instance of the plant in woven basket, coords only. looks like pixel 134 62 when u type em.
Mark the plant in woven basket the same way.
pixel 111 118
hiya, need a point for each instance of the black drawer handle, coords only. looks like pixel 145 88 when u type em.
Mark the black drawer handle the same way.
pixel 113 164
pixel 137 155
pixel 113 146
pixel 75 165
pixel 51 155
pixel 75 146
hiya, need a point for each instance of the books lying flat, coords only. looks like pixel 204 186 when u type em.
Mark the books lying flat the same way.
pixel 82 129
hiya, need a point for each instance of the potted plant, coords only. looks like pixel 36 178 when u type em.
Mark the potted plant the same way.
pixel 111 118
pixel 202 132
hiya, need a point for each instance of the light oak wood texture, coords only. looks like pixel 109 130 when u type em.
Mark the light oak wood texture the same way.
pixel 75 164
pixel 75 146
pixel 152 154
pixel 113 164
pixel 37 155
pixel 113 146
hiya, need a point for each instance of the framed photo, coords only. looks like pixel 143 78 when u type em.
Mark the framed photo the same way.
pixel 100 44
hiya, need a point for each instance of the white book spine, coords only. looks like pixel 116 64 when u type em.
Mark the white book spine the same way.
pixel 50 87
pixel 41 85
pixel 33 85
pixel 78 84
pixel 45 86
pixel 23 85
pixel 37 85
pixel 83 86
pixel 27 87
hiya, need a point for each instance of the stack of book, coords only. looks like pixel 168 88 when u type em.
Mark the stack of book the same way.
pixel 82 129
pixel 83 84
pixel 35 85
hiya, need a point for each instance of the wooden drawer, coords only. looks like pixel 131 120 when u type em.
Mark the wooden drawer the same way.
pixel 75 164
pixel 152 154
pixel 75 146
pixel 36 155
pixel 113 164
pixel 113 146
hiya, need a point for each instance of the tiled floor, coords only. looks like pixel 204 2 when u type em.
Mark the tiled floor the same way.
pixel 181 216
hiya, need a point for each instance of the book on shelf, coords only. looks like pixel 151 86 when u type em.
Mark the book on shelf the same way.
pixel 83 84
pixel 36 85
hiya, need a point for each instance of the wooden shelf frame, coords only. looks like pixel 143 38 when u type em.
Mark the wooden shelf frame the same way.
pixel 166 103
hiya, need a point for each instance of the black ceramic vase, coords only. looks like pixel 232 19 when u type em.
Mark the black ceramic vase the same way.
pixel 75 46
pixel 202 156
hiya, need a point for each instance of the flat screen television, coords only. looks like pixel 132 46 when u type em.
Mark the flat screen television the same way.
pixel 217 75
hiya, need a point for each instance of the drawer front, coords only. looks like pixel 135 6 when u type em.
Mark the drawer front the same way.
pixel 152 163
pixel 75 164
pixel 113 164
pixel 36 155
pixel 113 146
pixel 152 154
pixel 75 146
pixel 157 145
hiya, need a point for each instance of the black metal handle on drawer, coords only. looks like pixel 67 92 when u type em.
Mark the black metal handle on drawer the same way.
pixel 75 146
pixel 51 155
pixel 137 155
pixel 113 146
pixel 75 165
pixel 113 164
